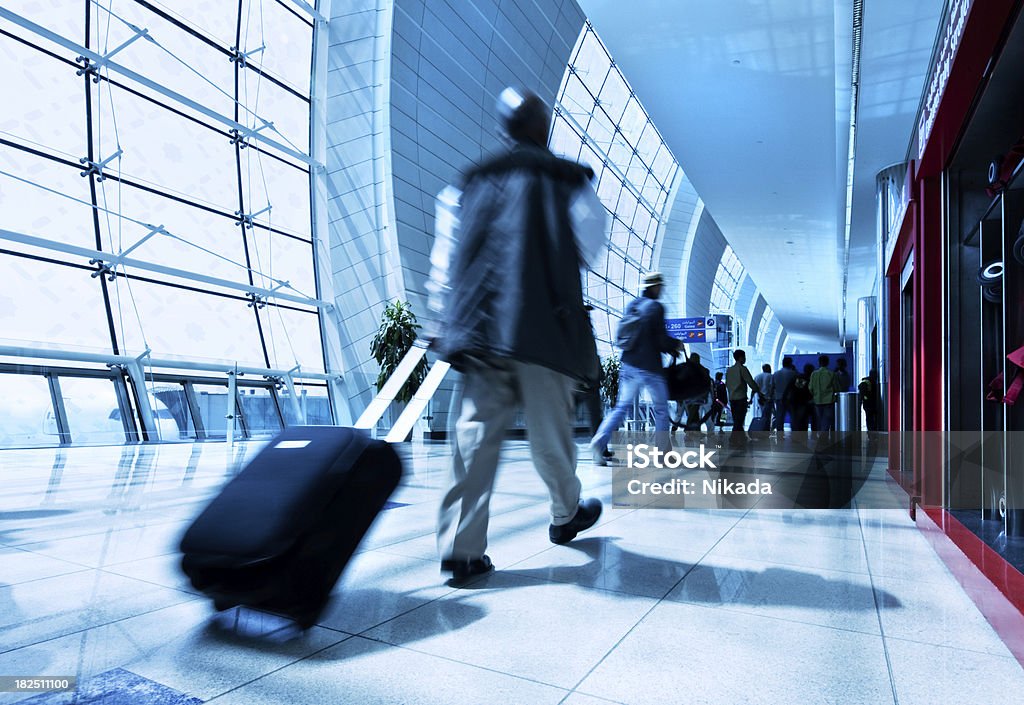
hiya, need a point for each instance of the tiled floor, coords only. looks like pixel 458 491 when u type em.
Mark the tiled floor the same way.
pixel 651 606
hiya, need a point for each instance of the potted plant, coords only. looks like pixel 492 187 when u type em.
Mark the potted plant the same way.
pixel 610 379
pixel 393 339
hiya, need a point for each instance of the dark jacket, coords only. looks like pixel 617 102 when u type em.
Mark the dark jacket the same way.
pixel 653 339
pixel 515 280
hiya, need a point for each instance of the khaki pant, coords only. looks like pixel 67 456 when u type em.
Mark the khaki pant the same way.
pixel 492 390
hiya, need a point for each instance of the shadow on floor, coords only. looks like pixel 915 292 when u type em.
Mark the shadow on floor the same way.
pixel 612 565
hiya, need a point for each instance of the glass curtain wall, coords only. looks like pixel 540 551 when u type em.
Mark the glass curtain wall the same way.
pixel 727 282
pixel 600 122
pixel 178 139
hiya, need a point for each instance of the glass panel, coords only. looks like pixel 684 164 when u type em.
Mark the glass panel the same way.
pixel 266 181
pixel 201 242
pixel 261 100
pixel 564 140
pixel 183 63
pixel 650 141
pixel 62 16
pixel 215 20
pixel 26 414
pixel 592 62
pixel 213 407
pixel 619 152
pixel 591 158
pixel 93 413
pixel 608 189
pixel 288 41
pixel 614 95
pixel 314 404
pixel 633 122
pixel 600 131
pixel 52 304
pixel 293 338
pixel 50 106
pixel 281 258
pixel 577 100
pixel 626 207
pixel 164 150
pixel 636 173
pixel 185 323
pixel 260 411
pixel 173 418
pixel 30 209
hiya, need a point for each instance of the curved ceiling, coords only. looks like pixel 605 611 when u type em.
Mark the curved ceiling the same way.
pixel 754 100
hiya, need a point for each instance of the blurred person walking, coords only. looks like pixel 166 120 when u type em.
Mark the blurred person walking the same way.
pixel 782 383
pixel 801 403
pixel 737 379
pixel 513 323
pixel 643 338
pixel 766 397
pixel 823 390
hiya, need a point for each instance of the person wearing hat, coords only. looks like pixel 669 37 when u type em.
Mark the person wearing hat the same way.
pixel 512 321
pixel 643 338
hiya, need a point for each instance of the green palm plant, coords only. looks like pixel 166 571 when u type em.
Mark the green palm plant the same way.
pixel 395 336
pixel 610 379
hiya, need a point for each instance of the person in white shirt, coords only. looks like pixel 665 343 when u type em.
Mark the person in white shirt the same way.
pixel 766 397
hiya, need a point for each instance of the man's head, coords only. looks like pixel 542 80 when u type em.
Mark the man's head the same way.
pixel 766 367
pixel 653 283
pixel 841 363
pixel 718 376
pixel 808 368
pixel 822 360
pixel 695 358
pixel 739 356
pixel 525 117
pixel 787 361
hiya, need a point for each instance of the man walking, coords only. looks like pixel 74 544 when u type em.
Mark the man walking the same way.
pixel 514 324
pixel 643 338
pixel 737 379
pixel 766 397
pixel 782 381
pixel 823 394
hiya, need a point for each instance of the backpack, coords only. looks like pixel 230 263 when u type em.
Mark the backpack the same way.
pixel 631 326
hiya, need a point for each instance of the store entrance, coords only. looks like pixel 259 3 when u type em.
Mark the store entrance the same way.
pixel 907 373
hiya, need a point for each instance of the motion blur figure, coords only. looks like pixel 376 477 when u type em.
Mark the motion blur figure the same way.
pixel 514 324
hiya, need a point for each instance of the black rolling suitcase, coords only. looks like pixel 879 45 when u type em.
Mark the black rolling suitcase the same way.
pixel 758 424
pixel 279 534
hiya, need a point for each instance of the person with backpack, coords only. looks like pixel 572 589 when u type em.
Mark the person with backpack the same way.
pixel 689 385
pixel 868 401
pixel 800 402
pixel 642 337
pixel 721 401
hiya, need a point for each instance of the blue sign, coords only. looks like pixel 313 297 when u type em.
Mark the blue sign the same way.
pixel 692 330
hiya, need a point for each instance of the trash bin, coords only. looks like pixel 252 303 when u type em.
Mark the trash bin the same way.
pixel 848 412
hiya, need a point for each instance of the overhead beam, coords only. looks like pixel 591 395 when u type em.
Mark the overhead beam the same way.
pixel 108 257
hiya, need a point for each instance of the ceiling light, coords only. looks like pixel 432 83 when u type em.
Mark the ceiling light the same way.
pixel 736 61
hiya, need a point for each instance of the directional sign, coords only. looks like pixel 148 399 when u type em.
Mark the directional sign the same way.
pixel 700 329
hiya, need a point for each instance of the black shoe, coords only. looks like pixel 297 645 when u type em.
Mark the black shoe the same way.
pixel 587 515
pixel 463 570
pixel 607 454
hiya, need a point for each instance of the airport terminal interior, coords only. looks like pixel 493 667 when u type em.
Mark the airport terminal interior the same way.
pixel 220 222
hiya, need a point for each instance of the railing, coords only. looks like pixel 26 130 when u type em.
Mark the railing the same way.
pixel 181 410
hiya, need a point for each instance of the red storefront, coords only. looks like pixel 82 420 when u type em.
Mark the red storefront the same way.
pixel 953 312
